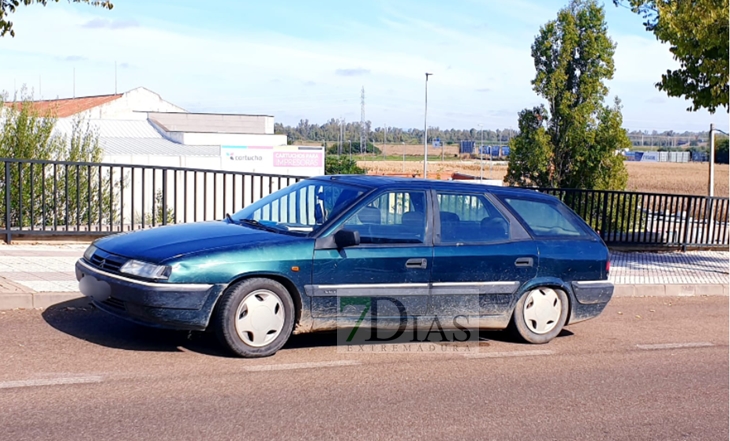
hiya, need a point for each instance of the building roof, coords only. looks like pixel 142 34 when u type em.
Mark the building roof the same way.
pixel 112 128
pixel 136 137
pixel 156 147
pixel 66 107
pixel 210 123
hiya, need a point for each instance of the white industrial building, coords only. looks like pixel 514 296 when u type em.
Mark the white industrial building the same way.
pixel 140 128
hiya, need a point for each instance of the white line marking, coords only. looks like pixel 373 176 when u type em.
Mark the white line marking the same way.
pixel 286 367
pixel 508 354
pixel 50 382
pixel 703 344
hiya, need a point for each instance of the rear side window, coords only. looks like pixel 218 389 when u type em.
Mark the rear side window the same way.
pixel 470 218
pixel 544 219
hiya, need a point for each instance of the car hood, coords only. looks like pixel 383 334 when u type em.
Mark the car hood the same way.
pixel 162 243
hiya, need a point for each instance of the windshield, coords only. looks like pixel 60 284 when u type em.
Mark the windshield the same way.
pixel 301 208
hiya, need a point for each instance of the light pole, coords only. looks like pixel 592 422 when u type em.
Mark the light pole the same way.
pixel 404 156
pixel 711 184
pixel 481 154
pixel 425 132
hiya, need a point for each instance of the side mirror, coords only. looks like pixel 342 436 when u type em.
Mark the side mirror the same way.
pixel 347 238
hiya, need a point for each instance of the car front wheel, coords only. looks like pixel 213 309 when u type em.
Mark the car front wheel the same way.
pixel 540 314
pixel 255 317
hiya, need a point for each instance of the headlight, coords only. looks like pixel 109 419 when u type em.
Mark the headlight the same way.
pixel 89 252
pixel 146 270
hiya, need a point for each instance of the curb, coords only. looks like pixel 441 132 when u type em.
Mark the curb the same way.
pixel 42 300
pixel 35 300
pixel 670 290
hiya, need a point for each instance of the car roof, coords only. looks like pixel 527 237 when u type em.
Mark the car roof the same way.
pixel 375 181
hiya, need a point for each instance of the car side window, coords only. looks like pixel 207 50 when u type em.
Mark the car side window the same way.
pixel 544 219
pixel 470 218
pixel 391 218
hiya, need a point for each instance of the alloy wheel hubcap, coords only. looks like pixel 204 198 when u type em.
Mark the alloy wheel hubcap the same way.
pixel 259 318
pixel 542 310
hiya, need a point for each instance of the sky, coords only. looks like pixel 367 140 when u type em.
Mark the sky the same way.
pixel 309 60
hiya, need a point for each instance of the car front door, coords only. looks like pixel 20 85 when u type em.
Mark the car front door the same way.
pixel 392 262
pixel 482 255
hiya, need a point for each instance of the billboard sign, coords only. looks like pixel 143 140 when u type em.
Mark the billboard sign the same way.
pixel 278 160
pixel 646 156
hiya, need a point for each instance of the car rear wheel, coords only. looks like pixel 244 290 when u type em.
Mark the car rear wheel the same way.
pixel 540 314
pixel 255 317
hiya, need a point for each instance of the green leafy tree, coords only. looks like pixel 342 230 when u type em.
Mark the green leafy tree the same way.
pixel 8 7
pixel 721 150
pixel 43 194
pixel 341 165
pixel 697 32
pixel 573 142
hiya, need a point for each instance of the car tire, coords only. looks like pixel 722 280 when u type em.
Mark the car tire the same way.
pixel 540 314
pixel 254 317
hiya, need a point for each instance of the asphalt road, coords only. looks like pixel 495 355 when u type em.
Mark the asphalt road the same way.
pixel 648 368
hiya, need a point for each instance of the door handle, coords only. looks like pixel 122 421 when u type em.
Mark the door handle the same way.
pixel 417 263
pixel 524 262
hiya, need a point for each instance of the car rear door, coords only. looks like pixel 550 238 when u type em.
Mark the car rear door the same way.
pixel 482 255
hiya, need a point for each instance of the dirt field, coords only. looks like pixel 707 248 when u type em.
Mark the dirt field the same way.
pixel 689 178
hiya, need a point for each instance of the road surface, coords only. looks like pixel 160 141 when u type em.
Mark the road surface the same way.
pixel 648 368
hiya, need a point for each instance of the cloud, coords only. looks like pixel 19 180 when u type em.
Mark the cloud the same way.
pixel 483 90
pixel 102 23
pixel 310 83
pixel 656 100
pixel 352 72
pixel 125 66
pixel 74 58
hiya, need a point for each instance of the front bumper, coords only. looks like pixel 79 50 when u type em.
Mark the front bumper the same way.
pixel 164 305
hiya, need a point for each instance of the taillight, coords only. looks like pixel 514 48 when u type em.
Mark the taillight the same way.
pixel 608 266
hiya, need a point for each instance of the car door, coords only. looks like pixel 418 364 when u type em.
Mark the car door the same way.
pixel 393 260
pixel 482 255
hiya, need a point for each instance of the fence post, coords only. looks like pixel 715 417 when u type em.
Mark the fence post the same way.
pixel 686 223
pixel 8 236
pixel 604 234
pixel 164 196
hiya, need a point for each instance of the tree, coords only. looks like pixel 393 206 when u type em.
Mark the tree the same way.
pixel 7 7
pixel 80 193
pixel 572 143
pixel 697 32
pixel 341 165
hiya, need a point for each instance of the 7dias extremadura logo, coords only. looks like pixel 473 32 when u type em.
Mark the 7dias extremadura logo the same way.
pixel 384 325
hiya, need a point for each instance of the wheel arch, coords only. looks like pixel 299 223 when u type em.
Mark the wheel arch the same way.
pixel 288 284
pixel 546 282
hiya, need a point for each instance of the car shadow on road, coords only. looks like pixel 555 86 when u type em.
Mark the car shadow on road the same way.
pixel 78 318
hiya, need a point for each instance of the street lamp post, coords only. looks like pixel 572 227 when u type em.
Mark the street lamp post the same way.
pixel 404 156
pixel 481 154
pixel 711 184
pixel 425 132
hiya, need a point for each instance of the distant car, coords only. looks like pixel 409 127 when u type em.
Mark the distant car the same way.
pixel 279 265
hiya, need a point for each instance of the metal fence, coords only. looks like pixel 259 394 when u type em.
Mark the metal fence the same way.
pixel 55 198
pixel 651 219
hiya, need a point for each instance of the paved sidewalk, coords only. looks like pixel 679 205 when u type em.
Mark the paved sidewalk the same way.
pixel 37 276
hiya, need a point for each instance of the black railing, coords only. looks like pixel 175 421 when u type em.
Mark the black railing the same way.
pixel 55 198
pixel 651 219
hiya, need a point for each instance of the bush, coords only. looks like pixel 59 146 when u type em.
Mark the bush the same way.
pixel 342 165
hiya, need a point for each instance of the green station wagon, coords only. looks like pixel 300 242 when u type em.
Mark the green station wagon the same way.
pixel 505 257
